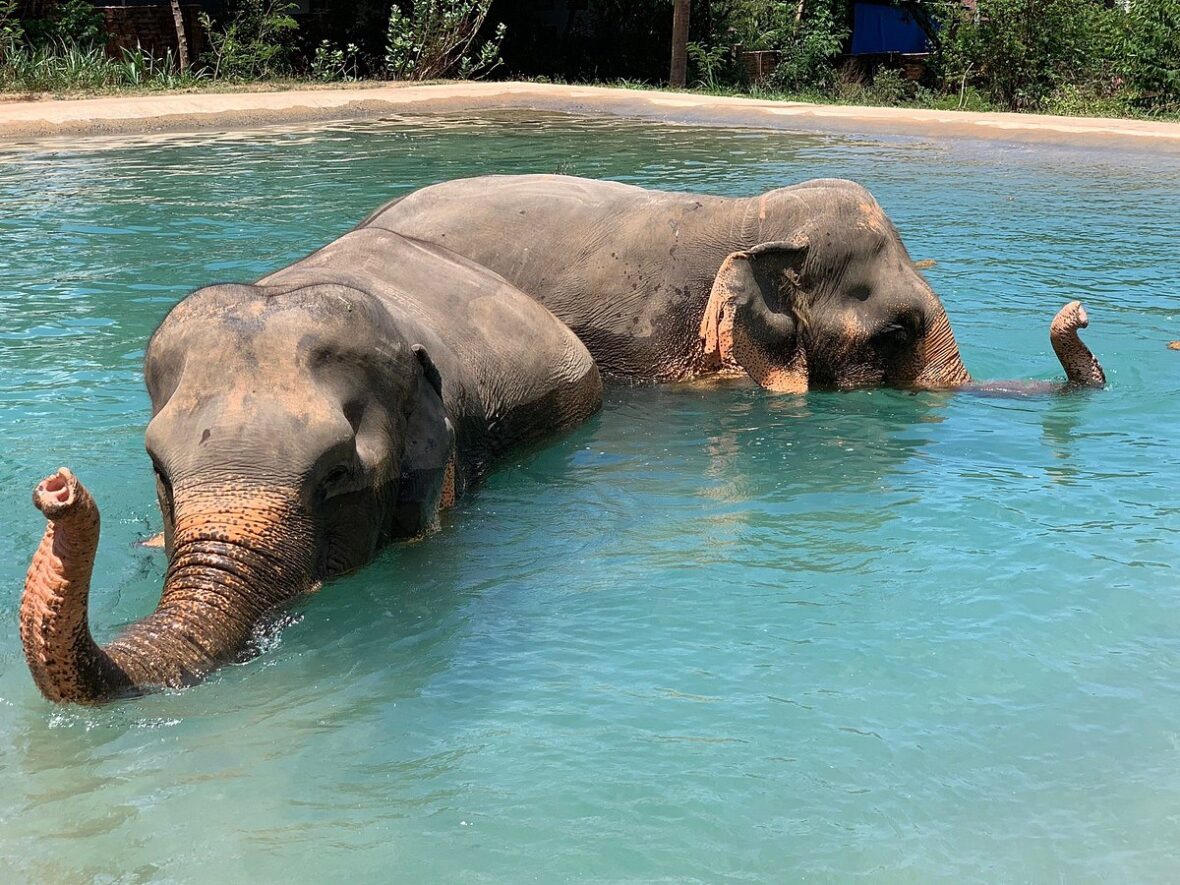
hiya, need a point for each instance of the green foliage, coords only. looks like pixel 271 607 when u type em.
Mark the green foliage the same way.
pixel 138 68
pixel 65 52
pixel 1019 51
pixel 761 24
pixel 65 68
pixel 1151 49
pixel 48 69
pixel 439 38
pixel 254 43
pixel 889 87
pixel 1061 56
pixel 12 32
pixel 807 58
pixel 75 23
pixel 1073 100
pixel 332 63
pixel 1067 56
pixel 710 65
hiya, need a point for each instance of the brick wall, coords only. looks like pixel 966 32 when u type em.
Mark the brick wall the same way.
pixel 152 28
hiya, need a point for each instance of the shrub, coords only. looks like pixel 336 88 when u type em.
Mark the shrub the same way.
pixel 438 38
pixel 1151 49
pixel 253 43
pixel 807 58
pixel 12 32
pixel 761 24
pixel 1019 52
pixel 889 87
pixel 333 63
pixel 1072 100
pixel 52 69
pixel 710 64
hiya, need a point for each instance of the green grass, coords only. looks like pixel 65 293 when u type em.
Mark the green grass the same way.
pixel 87 70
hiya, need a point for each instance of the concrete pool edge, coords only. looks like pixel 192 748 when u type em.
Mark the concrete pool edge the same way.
pixel 189 112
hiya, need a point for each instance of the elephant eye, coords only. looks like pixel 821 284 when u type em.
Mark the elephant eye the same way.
pixel 895 335
pixel 906 330
pixel 336 475
pixel 336 481
pixel 161 476
pixel 861 293
pixel 164 487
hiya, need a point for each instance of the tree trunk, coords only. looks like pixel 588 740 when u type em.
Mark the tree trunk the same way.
pixel 679 75
pixel 181 39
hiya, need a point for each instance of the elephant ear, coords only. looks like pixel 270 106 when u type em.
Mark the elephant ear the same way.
pixel 752 321
pixel 427 479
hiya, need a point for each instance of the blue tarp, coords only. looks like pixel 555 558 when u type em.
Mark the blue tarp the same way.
pixel 885 29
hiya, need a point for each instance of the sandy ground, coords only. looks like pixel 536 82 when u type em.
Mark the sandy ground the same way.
pixel 23 121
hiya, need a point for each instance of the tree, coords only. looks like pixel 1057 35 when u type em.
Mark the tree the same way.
pixel 181 39
pixel 679 73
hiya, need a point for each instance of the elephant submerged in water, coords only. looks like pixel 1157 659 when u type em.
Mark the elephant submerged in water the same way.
pixel 299 424
pixel 805 287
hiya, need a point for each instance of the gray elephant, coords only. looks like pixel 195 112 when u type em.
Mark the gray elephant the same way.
pixel 299 424
pixel 804 287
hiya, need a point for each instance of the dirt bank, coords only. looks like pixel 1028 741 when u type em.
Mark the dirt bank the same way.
pixel 186 112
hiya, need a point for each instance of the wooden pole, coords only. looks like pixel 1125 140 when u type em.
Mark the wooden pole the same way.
pixel 679 74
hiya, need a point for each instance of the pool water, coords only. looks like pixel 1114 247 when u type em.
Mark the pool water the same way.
pixel 715 634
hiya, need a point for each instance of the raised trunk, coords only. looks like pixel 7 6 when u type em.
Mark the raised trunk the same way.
pixel 228 567
pixel 65 661
pixel 1081 366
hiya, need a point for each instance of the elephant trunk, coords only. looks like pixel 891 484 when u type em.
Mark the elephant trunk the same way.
pixel 228 567
pixel 65 661
pixel 1081 366
pixel 940 364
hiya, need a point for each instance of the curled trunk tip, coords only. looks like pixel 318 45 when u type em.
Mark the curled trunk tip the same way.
pixel 1069 319
pixel 60 494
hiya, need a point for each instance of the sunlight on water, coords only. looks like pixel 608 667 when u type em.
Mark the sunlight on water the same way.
pixel 714 634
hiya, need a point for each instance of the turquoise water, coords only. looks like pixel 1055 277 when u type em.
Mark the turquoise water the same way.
pixel 714 635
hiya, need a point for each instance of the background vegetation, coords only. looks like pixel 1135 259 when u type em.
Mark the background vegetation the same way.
pixel 62 46
pixel 65 48
pixel 1056 56
pixel 1110 57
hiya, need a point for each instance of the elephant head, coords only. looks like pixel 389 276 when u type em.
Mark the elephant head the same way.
pixel 836 304
pixel 293 431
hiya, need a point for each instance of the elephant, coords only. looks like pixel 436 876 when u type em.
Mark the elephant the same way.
pixel 299 424
pixel 805 287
